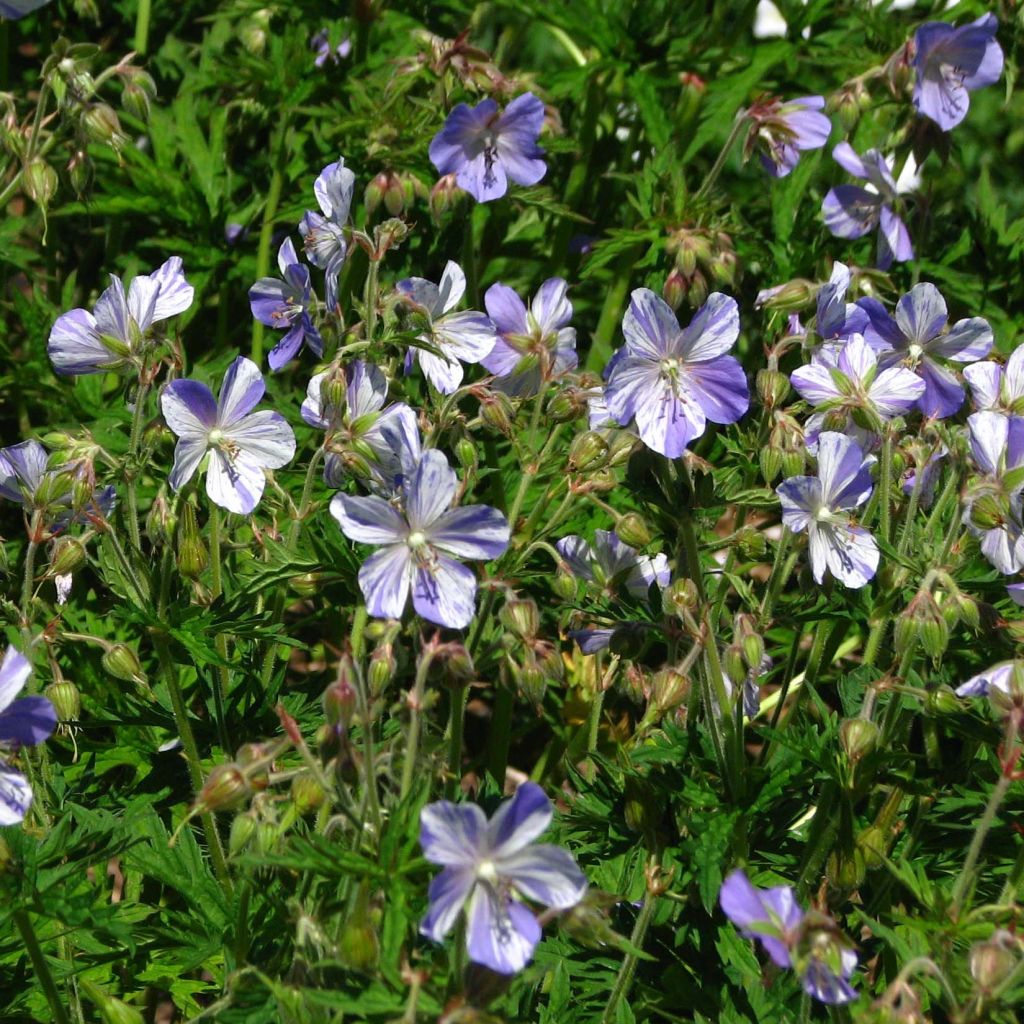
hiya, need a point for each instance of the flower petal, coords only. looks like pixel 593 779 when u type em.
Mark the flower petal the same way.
pixel 551 308
pixel 502 934
pixel 451 287
pixel 74 345
pixel 189 409
pixel 713 330
pixel 650 327
pixel 447 894
pixel 188 454
pixel 452 834
pixel 475 531
pixel 505 309
pixel 842 469
pixel 444 592
pixel 174 293
pixel 517 822
pixel 384 579
pixel 720 388
pixel 547 874
pixel 943 394
pixel 368 520
pixel 431 490
pixel 967 341
pixel 15 796
pixel 800 497
pixel 28 721
pixel 241 391
pixel 921 314
pixel 235 482
pixel 266 436
pixel 850 211
pixel 14 672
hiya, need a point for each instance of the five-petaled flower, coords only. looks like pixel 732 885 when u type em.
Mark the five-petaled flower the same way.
pixel 485 149
pixel 821 506
pixel 917 337
pixel 241 443
pixel 949 62
pixel 467 336
pixel 23 723
pixel 851 211
pixel 785 127
pixel 489 864
pixel 672 380
pixel 285 305
pixel 323 235
pixel 533 345
pixel 418 541
pixel 807 942
pixel 114 335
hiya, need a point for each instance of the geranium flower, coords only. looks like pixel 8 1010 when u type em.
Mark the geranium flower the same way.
pixel 851 211
pixel 23 723
pixel 998 388
pixel 285 305
pixel 610 563
pixel 534 344
pixel 485 149
pixel 821 506
pixel 917 337
pixel 950 62
pixel 785 127
pixel 836 318
pixel 323 235
pixel 807 942
pixel 417 543
pixel 488 864
pixel 115 334
pixel 998 677
pixel 242 443
pixel 467 336
pixel 380 444
pixel 672 380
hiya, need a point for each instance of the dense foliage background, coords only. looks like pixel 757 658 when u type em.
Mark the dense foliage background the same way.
pixel 212 159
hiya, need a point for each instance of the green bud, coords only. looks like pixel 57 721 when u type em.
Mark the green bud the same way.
pixel 992 961
pixel 307 584
pixel 358 946
pixel 520 615
pixel 65 698
pixel 734 664
pixel 102 125
pixel 751 543
pixel 565 406
pixel 68 556
pixel 445 196
pixel 193 556
pixel 383 666
pixel 267 837
pixel 243 829
pixel 307 794
pixel 669 690
pixel 564 585
pixel 793 462
pixel 111 1010
pixel 588 452
pixel 253 35
pixel 621 446
pixel 458 665
pixel 770 459
pixel 602 481
pixel 772 387
pixel 375 192
pixel 465 452
pixel 988 512
pixel 675 288
pixel 872 843
pixel 531 681
pixel 642 809
pixel 340 698
pixel 681 594
pixel 226 788
pixel 632 529
pixel 135 101
pixel 943 701
pixel 859 737
pixel 40 181
pixel 791 296
pixel 120 661
pixel 497 411
pixel 846 870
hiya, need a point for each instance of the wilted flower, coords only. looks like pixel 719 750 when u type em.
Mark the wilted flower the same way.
pixel 998 388
pixel 950 62
pixel 488 864
pixel 821 506
pixel 23 723
pixel 851 211
pixel 917 337
pixel 417 542
pixel 672 380
pixel 784 128
pixel 284 305
pixel 242 443
pixel 468 336
pixel 383 442
pixel 114 335
pixel 855 388
pixel 532 344
pixel 791 937
pixel 323 233
pixel 484 149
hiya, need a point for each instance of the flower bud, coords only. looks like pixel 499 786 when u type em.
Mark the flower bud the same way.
pixel 66 700
pixel 633 530
pixel 375 190
pixel 193 556
pixel 873 845
pixel 465 452
pixel 770 459
pixel 243 829
pixel 358 946
pixel 339 699
pixel 383 666
pixel 40 181
pixel 253 34
pixel 988 512
pixel 111 1010
pixel 602 481
pixel 531 680
pixel 681 594
pixel 942 701
pixel 120 661
pixel 445 196
pixel 135 101
pixel 497 410
pixel 307 584
pixel 564 585
pixel 226 788
pixel 103 125
pixel 788 297
pixel 520 615
pixel 458 664
pixel 642 809
pixel 793 462
pixel 675 288
pixel 772 387
pixel 993 960
pixel 68 556
pixel 751 543
pixel 588 451
pixel 307 794
pixel 846 870
pixel 734 664
pixel 622 444
pixel 859 737
pixel 566 405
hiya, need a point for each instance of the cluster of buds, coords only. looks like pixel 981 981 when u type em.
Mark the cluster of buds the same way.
pixel 446 196
pixel 786 452
pixel 532 662
pixel 397 190
pixel 387 235
pixel 230 786
pixel 702 259
pixel 849 101
pixel 472 66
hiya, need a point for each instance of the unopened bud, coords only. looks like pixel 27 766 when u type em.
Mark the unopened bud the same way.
pixel 753 650
pixel 772 387
pixel 111 1010
pixel 675 288
pixel 103 125
pixel 444 196
pixel 68 556
pixel 788 297
pixel 65 698
pixel 339 699
pixel 465 452
pixel 873 846
pixel 193 556
pixel 734 664
pixel 458 664
pixel 793 462
pixel 565 406
pixel 40 181
pixel 375 191
pixel 497 410
pixel 307 584
pixel 588 452
pixel 243 829
pixel 253 35
pixel 859 737
pixel 520 615
pixel 992 961
pixel 135 101
pixel 669 689
pixel 942 701
pixel 358 946
pixel 226 787
pixel 751 543
pixel 770 459
pixel 988 513
pixel 642 810
pixel 123 663
pixel 307 794
pixel 564 585
pixel 602 481
pixel 633 530
pixel 383 666
pixel 531 681
pixel 681 595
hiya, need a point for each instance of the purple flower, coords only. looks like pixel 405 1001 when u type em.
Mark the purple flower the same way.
pixel 949 62
pixel 750 684
pixel 115 335
pixel 242 443
pixel 23 723
pixel 488 863
pixel 996 387
pixel 484 149
pixel 15 9
pixel 854 388
pixel 377 443
pixel 791 937
pixel 929 477
pixel 998 677
pixel 26 479
pixel 417 542
pixel 672 380
pixel 467 336
pixel 323 235
pixel 1015 591
pixel 284 305
pixel 532 345
pixel 784 128
pixel 836 318
pixel 992 508
pixel 320 44
pixel 918 338
pixel 851 211
pixel 821 506
pixel 611 564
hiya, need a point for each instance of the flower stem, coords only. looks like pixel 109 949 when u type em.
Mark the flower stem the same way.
pixel 456 714
pixel 415 709
pixel 885 487
pixel 267 230
pixel 35 953
pixel 220 692
pixel 142 27
pixel 370 299
pixel 532 468
pixel 716 169
pixel 138 416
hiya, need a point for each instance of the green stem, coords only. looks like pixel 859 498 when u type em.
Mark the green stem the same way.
pixel 40 966
pixel 415 709
pixel 456 715
pixel 370 299
pixel 500 732
pixel 267 230
pixel 690 553
pixel 142 26
pixel 884 487
pixel 532 468
pixel 781 568
pixel 716 169
pixel 908 519
pixel 28 582
pixel 134 439
pixel 594 720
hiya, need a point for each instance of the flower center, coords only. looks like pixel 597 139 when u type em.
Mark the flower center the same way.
pixel 487 872
pixel 915 351
pixel 216 437
pixel 417 539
